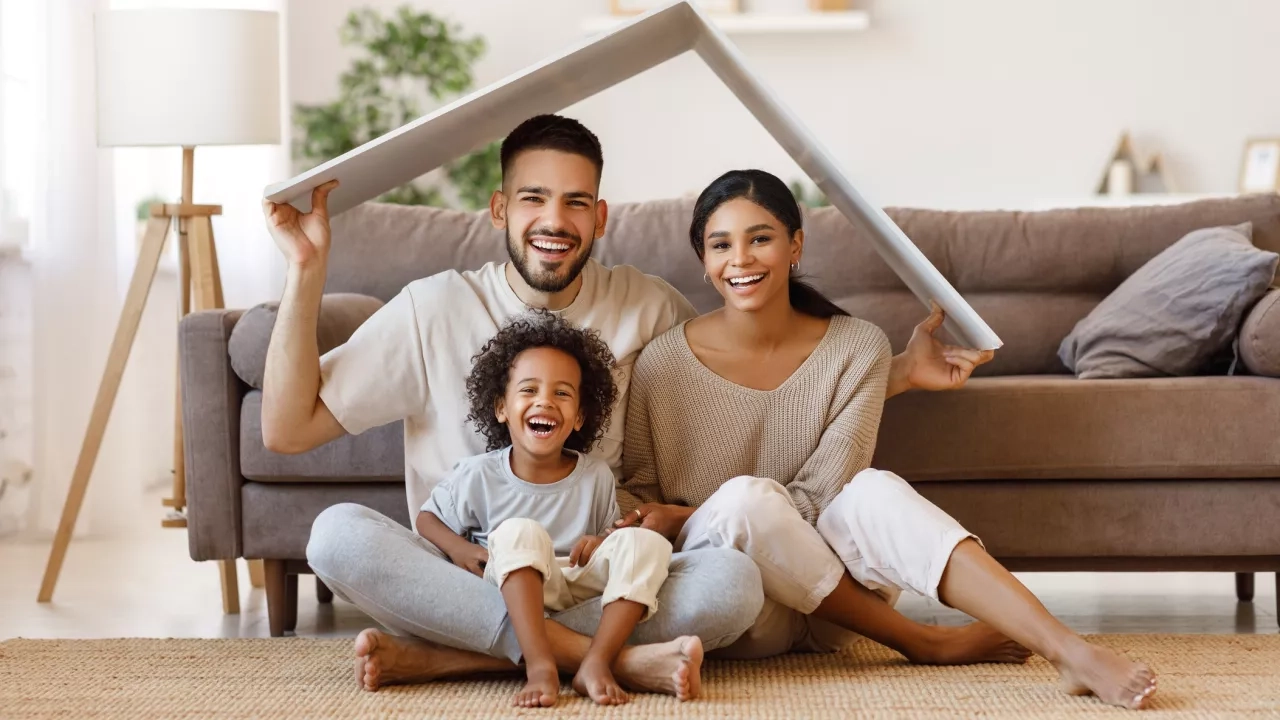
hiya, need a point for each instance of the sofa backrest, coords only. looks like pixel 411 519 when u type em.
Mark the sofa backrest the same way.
pixel 1031 275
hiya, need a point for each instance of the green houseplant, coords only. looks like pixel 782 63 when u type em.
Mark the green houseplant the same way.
pixel 405 60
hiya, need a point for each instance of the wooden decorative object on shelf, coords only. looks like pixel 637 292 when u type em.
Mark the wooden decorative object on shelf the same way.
pixel 829 5
pixel 1124 174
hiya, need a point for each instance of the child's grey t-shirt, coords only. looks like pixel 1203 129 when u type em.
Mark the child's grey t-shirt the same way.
pixel 482 491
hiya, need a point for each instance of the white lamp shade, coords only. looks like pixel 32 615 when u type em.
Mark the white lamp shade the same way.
pixel 188 77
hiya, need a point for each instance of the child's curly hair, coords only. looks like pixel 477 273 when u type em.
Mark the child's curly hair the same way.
pixel 540 328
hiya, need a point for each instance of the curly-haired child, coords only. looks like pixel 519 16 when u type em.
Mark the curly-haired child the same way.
pixel 535 514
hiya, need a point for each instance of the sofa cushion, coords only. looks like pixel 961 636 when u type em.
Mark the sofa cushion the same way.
pixel 1177 312
pixel 373 456
pixel 1260 336
pixel 278 517
pixel 340 315
pixel 995 259
pixel 1060 427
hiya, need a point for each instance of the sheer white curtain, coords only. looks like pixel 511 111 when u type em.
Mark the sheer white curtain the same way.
pixel 84 239
pixel 74 293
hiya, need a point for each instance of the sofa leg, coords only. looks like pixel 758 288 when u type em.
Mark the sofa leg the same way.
pixel 291 602
pixel 277 579
pixel 323 593
pixel 1244 587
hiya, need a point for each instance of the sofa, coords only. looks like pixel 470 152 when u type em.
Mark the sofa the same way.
pixel 1054 473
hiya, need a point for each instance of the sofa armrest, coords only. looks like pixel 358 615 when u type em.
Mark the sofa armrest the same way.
pixel 1260 336
pixel 211 397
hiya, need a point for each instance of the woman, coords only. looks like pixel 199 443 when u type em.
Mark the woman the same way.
pixel 782 391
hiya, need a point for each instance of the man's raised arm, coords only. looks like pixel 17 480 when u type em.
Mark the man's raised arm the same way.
pixel 294 418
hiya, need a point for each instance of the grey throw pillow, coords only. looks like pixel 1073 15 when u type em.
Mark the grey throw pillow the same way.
pixel 1177 312
pixel 340 315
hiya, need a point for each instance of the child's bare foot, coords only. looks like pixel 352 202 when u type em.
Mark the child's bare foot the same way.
pixel 385 659
pixel 973 643
pixel 1089 669
pixel 595 680
pixel 673 668
pixel 543 688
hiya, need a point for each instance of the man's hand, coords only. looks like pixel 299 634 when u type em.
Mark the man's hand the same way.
pixel 928 364
pixel 666 520
pixel 584 549
pixel 303 238
pixel 470 557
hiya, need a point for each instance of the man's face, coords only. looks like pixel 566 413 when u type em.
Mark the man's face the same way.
pixel 549 210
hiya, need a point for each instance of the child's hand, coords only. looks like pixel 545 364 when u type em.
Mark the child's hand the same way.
pixel 583 550
pixel 470 557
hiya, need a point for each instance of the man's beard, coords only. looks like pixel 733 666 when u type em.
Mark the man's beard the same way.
pixel 538 277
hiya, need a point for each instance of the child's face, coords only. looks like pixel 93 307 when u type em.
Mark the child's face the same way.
pixel 540 407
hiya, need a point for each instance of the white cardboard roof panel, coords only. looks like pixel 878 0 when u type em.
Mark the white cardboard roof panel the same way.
pixel 595 65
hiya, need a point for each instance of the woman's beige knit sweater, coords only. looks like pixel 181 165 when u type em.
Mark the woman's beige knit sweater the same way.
pixel 689 430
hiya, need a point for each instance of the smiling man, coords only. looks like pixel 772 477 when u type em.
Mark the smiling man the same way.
pixel 409 362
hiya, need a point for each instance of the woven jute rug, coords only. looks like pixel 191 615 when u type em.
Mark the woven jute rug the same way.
pixel 1227 676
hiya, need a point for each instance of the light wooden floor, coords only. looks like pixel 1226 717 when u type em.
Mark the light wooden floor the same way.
pixel 146 586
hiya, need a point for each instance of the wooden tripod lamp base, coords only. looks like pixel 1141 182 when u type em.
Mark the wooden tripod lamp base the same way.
pixel 200 287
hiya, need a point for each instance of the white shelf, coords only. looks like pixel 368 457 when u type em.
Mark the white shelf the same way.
pixel 760 23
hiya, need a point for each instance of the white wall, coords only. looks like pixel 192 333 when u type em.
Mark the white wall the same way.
pixel 939 104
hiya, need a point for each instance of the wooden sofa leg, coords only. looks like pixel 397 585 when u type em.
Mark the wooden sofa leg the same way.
pixel 323 593
pixel 230 586
pixel 277 595
pixel 1244 587
pixel 291 602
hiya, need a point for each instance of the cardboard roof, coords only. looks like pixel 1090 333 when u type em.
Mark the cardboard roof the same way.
pixel 595 65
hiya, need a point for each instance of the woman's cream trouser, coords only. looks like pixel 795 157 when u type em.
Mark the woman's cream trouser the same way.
pixel 631 564
pixel 878 528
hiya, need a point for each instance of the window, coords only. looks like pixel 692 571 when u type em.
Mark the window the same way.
pixel 20 36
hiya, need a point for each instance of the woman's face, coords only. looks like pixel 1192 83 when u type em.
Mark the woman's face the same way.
pixel 747 254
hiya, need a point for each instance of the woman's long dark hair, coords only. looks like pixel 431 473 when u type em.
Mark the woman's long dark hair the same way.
pixel 770 193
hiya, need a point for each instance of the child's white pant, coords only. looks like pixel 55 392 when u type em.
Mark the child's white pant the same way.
pixel 631 564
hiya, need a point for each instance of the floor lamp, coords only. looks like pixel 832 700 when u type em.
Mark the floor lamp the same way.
pixel 177 78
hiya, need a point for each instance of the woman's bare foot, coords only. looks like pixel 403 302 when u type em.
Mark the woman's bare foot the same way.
pixel 672 668
pixel 384 659
pixel 543 688
pixel 976 642
pixel 1089 669
pixel 595 680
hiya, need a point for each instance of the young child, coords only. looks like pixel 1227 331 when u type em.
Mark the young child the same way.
pixel 534 515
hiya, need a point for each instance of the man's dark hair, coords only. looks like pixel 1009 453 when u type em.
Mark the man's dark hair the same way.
pixel 491 368
pixel 552 132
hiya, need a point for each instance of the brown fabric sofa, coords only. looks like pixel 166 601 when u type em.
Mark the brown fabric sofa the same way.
pixel 1053 473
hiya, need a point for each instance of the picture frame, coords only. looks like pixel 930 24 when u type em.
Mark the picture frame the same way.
pixel 1260 166
pixel 637 7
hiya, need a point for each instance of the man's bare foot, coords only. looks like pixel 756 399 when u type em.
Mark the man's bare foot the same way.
pixel 1089 669
pixel 973 643
pixel 595 680
pixel 543 688
pixel 672 668
pixel 385 659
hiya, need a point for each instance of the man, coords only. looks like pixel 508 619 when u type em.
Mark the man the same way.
pixel 408 361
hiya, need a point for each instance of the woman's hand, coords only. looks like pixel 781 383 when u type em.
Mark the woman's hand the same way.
pixel 469 556
pixel 928 364
pixel 666 520
pixel 584 549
